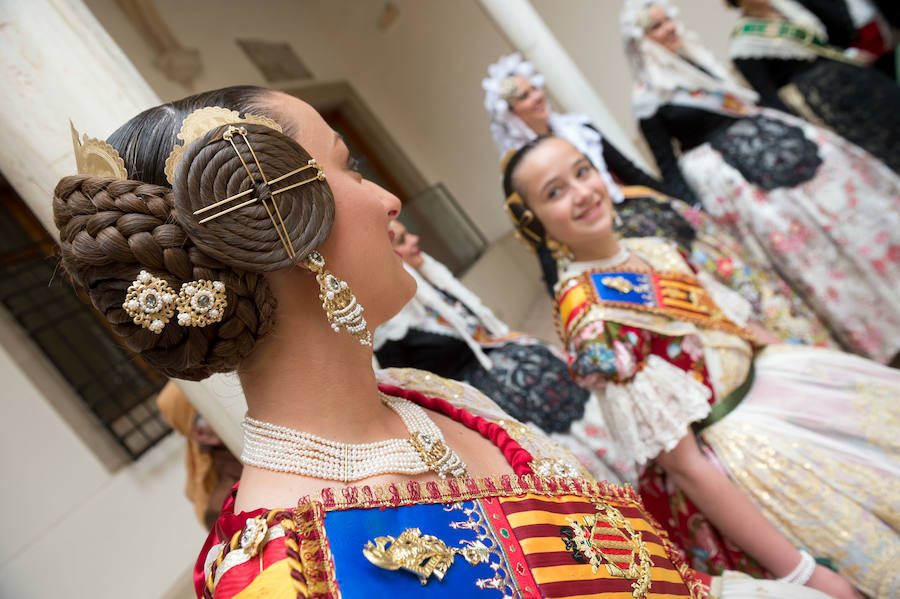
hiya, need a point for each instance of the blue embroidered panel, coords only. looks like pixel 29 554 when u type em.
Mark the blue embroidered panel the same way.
pixel 628 287
pixel 349 531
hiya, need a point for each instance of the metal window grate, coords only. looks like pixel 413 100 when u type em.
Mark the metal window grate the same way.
pixel 117 387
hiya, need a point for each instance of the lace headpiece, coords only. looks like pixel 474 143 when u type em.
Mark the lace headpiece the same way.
pixel 659 73
pixel 511 133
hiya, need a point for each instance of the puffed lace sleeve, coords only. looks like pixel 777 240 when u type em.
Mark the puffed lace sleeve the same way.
pixel 651 387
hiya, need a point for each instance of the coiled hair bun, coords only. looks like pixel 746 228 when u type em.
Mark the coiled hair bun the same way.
pixel 212 169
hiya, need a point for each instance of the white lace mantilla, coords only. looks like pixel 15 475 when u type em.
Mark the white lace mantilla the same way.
pixel 660 73
pixel 751 47
pixel 651 413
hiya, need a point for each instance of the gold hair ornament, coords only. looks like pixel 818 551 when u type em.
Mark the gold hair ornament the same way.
pixel 96 157
pixel 273 212
pixel 196 124
pixel 522 220
pixel 201 303
pixel 151 302
pixel 338 301
pixel 526 235
pixel 509 89
pixel 559 251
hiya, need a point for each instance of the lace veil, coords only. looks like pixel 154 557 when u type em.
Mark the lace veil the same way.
pixel 511 133
pixel 660 73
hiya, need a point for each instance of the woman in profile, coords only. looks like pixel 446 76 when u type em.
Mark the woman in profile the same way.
pixel 228 231
pixel 777 446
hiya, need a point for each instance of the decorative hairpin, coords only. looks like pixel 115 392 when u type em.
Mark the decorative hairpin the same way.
pixel 96 157
pixel 521 221
pixel 151 302
pixel 279 225
pixel 201 303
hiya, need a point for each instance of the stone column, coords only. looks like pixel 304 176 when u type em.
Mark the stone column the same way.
pixel 58 63
pixel 528 33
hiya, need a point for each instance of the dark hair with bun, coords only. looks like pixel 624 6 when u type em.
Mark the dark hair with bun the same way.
pixel 112 229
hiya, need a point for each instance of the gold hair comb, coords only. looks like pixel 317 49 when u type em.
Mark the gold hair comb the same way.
pixel 196 124
pixel 96 157
pixel 521 222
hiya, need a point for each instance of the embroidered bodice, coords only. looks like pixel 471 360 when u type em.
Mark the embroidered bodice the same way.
pixel 656 371
pixel 547 531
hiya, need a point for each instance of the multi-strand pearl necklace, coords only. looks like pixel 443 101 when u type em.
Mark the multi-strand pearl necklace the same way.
pixel 284 449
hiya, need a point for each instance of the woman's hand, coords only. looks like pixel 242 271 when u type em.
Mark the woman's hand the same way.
pixel 833 584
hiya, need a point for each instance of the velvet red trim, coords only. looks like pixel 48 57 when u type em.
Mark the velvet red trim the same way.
pixel 518 457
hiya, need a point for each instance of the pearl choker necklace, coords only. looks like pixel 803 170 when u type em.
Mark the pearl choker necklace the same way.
pixel 284 449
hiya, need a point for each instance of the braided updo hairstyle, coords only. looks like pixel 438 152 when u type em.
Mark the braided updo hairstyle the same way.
pixel 112 229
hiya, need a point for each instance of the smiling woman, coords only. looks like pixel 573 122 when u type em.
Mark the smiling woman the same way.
pixel 228 231
pixel 673 356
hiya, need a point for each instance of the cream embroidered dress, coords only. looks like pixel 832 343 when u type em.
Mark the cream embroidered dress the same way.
pixel 813 442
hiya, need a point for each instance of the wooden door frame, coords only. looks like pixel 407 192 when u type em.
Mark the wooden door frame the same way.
pixel 381 150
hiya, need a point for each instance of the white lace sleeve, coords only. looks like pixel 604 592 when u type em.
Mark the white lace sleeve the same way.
pixel 652 412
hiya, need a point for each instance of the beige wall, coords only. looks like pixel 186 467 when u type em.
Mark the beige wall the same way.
pixel 74 526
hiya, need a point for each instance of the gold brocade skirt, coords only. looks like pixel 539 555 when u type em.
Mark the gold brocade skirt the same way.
pixel 816 445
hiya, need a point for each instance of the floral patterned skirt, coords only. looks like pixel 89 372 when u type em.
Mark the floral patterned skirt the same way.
pixel 833 230
pixel 815 446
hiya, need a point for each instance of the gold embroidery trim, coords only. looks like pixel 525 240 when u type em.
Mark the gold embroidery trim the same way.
pixel 452 490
